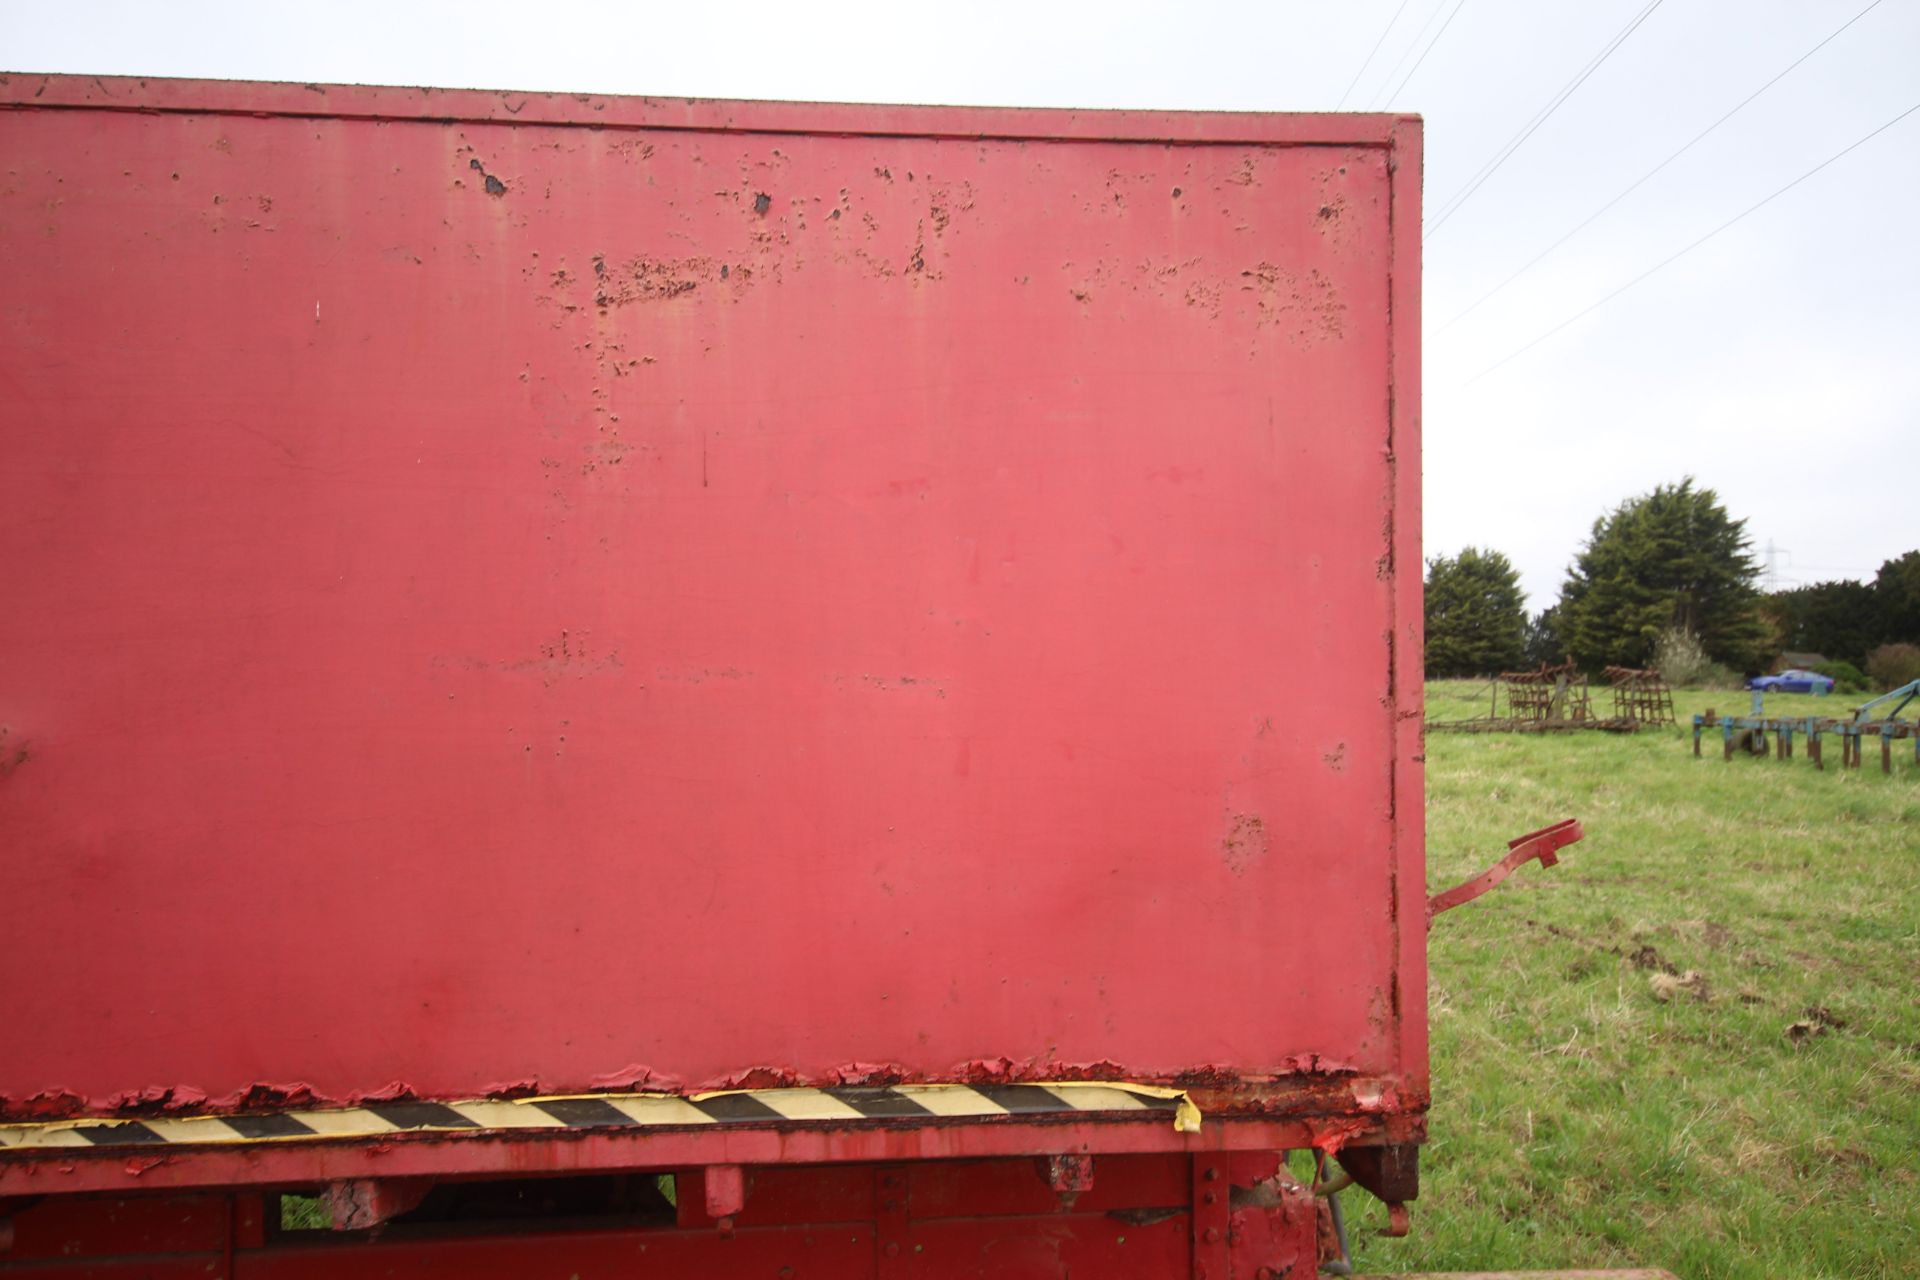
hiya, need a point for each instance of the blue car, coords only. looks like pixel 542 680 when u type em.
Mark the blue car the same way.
pixel 1793 680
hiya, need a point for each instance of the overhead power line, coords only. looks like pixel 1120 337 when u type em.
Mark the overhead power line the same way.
pixel 1407 52
pixel 1676 256
pixel 1429 49
pixel 1376 49
pixel 1452 206
pixel 1642 179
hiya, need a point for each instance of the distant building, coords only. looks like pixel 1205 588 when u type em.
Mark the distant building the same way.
pixel 1798 662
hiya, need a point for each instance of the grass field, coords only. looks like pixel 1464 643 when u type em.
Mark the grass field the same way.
pixel 1693 1044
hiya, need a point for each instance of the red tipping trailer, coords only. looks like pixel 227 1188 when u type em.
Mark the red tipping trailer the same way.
pixel 863 658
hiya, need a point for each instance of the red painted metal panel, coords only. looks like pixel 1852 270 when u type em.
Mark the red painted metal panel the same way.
pixel 179 1267
pixel 749 592
pixel 1047 1247
pixel 935 1219
pixel 1007 1188
pixel 65 1228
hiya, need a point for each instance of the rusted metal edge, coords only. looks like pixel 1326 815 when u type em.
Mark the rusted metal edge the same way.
pixel 498 1153
pixel 1406 683
pixel 1303 1086
pixel 483 106
pixel 1328 1098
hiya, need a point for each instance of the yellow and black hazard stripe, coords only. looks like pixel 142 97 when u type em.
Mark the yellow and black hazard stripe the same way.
pixel 836 1106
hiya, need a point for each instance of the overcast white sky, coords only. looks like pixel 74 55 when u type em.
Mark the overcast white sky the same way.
pixel 1779 362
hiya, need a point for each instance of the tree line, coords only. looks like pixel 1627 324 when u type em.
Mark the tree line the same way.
pixel 1664 572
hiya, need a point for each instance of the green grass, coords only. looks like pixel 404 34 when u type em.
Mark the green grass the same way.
pixel 1580 1121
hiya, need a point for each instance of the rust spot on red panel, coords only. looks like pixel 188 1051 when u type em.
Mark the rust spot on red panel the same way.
pixel 494 187
pixel 1211 1075
pixel 1306 307
pixel 646 279
pixel 873 1074
pixel 14 751
pixel 1245 842
pixel 1087 1071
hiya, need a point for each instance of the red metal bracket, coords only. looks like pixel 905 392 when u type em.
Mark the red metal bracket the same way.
pixel 726 1193
pixel 1212 1205
pixel 892 1228
pixel 1542 844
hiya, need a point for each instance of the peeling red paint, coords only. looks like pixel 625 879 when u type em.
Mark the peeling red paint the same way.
pixel 271 1097
pixel 872 1074
pixel 758 1078
pixel 396 1091
pixel 1296 1086
pixel 51 1104
pixel 156 1100
pixel 989 1071
pixel 1102 1070
pixel 507 1091
pixel 632 1077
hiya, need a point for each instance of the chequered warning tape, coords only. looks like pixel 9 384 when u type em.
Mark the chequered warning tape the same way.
pixel 617 1111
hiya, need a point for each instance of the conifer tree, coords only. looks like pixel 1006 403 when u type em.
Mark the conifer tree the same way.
pixel 1672 558
pixel 1476 614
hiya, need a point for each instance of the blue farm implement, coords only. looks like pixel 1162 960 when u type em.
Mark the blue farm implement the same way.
pixel 1756 734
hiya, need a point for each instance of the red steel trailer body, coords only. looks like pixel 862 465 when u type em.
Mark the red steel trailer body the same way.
pixel 552 638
